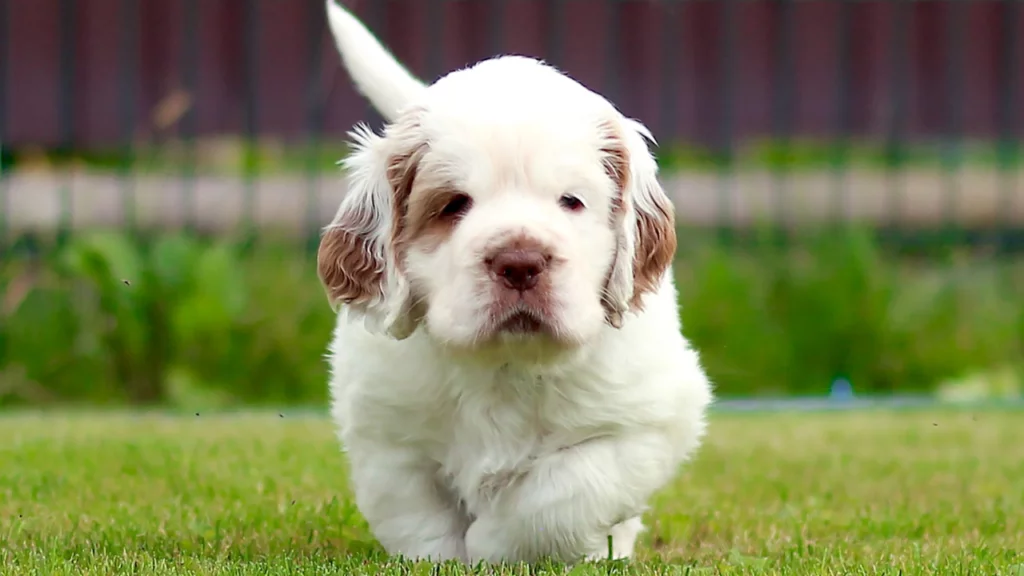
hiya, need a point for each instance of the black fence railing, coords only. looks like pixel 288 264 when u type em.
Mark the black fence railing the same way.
pixel 903 114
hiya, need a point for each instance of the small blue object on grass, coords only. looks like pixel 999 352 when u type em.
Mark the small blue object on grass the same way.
pixel 842 390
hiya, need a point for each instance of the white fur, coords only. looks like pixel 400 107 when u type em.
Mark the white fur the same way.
pixel 376 73
pixel 478 446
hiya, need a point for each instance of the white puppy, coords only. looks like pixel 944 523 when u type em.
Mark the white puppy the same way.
pixel 507 371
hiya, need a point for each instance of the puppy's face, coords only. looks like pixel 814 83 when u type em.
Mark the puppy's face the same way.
pixel 509 234
pixel 492 214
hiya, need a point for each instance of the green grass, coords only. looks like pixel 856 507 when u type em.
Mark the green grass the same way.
pixel 854 493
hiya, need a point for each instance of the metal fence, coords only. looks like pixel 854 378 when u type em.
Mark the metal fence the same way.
pixel 222 113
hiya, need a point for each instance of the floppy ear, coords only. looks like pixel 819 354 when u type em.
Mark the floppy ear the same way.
pixel 359 263
pixel 643 216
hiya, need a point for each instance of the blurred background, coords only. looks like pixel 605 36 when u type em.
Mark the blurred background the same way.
pixel 847 175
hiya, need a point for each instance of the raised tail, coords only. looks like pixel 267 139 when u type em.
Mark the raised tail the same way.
pixel 376 73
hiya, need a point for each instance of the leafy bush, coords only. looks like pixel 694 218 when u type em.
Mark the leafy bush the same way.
pixel 791 320
pixel 112 318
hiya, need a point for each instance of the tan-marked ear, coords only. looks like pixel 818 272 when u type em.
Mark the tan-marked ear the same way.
pixel 618 288
pixel 655 238
pixel 350 268
pixel 643 217
pixel 359 260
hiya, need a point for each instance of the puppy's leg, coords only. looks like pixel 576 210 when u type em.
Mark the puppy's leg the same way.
pixel 409 512
pixel 623 535
pixel 566 505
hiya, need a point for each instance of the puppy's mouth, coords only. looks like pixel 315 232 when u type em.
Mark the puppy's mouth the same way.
pixel 527 333
pixel 521 322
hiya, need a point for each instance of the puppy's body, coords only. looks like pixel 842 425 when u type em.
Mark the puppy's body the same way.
pixel 545 457
pixel 507 371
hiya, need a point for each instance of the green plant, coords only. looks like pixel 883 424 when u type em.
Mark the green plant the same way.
pixel 791 319
pixel 180 319
pixel 191 321
pixel 238 156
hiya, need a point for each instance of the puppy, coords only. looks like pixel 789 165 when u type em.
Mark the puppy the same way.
pixel 508 376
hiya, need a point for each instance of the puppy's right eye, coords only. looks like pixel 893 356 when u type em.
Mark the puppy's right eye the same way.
pixel 571 203
pixel 458 205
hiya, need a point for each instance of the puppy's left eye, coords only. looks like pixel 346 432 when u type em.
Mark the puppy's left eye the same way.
pixel 457 205
pixel 571 203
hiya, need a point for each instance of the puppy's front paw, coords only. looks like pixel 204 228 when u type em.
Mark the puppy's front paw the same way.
pixel 485 543
pixel 623 540
pixel 436 550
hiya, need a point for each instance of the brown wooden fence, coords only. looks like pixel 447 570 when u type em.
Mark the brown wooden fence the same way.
pixel 94 73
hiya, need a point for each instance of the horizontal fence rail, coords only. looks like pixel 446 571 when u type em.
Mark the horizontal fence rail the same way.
pixel 217 113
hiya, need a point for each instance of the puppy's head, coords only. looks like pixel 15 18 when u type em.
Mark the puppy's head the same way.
pixel 509 205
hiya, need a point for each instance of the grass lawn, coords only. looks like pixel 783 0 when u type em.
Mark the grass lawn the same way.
pixel 851 493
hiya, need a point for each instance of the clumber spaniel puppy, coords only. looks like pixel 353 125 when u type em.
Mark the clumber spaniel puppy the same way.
pixel 507 371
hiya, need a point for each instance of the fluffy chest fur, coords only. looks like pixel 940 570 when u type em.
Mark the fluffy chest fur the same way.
pixel 509 419
pixel 478 423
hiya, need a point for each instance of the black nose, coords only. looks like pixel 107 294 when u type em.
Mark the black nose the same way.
pixel 518 269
